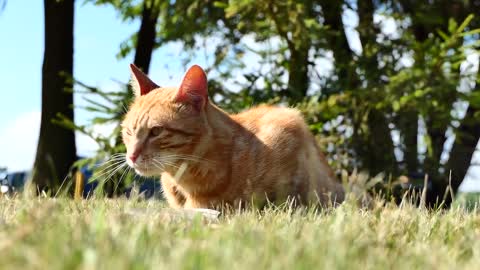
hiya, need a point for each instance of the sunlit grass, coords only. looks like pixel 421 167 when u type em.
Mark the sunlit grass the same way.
pixel 136 234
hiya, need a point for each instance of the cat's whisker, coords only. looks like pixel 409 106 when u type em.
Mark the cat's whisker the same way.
pixel 117 155
pixel 124 174
pixel 167 162
pixel 106 163
pixel 110 160
pixel 110 172
pixel 114 172
pixel 185 156
pixel 103 173
pixel 155 161
pixel 164 162
pixel 173 165
pixel 174 158
pixel 170 163
pixel 186 159
pixel 159 166
pixel 115 159
pixel 113 164
pixel 110 163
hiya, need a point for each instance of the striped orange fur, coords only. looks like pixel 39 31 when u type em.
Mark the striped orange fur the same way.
pixel 208 158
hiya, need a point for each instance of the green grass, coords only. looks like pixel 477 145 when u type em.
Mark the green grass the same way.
pixel 135 234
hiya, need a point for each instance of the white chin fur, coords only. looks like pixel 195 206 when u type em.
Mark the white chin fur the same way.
pixel 143 171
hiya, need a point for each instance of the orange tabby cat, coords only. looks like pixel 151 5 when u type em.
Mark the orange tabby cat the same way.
pixel 208 158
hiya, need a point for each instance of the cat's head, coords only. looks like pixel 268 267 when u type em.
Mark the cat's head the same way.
pixel 165 124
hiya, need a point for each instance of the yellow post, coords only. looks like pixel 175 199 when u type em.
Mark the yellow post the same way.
pixel 79 185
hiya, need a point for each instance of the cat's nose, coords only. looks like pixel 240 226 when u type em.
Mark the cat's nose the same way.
pixel 134 156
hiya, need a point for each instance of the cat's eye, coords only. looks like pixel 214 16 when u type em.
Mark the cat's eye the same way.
pixel 155 131
pixel 128 132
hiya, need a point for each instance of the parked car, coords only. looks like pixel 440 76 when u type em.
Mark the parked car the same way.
pixel 4 186
pixel 15 181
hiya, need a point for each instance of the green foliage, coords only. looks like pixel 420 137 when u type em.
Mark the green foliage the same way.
pixel 384 84
pixel 109 109
pixel 367 108
pixel 130 9
pixel 429 84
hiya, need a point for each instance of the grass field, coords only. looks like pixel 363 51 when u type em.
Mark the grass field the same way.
pixel 137 234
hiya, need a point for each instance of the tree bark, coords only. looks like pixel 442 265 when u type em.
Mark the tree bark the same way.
pixel 381 148
pixel 56 149
pixel 298 64
pixel 437 122
pixel 146 35
pixel 298 80
pixel 380 153
pixel 407 123
pixel 332 13
pixel 374 146
pixel 464 146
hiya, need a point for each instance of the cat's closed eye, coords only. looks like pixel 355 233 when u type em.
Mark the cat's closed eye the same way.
pixel 155 131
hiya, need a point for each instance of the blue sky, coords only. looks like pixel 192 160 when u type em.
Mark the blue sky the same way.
pixel 98 33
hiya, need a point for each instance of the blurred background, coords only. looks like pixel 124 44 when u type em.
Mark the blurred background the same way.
pixel 390 87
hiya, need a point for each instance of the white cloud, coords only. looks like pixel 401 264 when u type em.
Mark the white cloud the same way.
pixel 19 138
pixel 18 141
pixel 86 146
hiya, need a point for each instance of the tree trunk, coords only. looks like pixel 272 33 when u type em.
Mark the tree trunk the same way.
pixel 298 80
pixel 332 13
pixel 380 144
pixel 373 146
pixel 380 149
pixel 56 150
pixel 465 144
pixel 407 123
pixel 437 122
pixel 146 35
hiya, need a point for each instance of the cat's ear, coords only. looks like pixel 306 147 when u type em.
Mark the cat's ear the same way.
pixel 193 89
pixel 140 82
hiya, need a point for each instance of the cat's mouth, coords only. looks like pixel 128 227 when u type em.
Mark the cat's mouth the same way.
pixel 146 168
pixel 151 165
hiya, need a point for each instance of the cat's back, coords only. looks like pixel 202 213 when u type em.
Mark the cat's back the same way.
pixel 273 125
pixel 279 153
